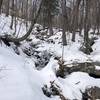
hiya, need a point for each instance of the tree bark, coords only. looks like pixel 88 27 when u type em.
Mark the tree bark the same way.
pixel 7 7
pixel 12 15
pixel 86 27
pixel 75 19
pixel 64 22
pixel 50 24
pixel 1 1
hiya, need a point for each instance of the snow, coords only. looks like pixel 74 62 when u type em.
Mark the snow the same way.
pixel 5 26
pixel 96 54
pixel 97 67
pixel 20 80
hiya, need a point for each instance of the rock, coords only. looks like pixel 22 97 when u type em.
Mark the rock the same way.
pixel 29 51
pixel 15 48
pixel 42 59
pixel 92 93
pixel 53 90
pixel 46 91
pixel 86 50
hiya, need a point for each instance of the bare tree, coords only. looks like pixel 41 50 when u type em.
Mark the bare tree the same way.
pixel 86 27
pixel 30 29
pixel 64 21
pixel 12 15
pixel 1 1
pixel 75 18
pixel 7 7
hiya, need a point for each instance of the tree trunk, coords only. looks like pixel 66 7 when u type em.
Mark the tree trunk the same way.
pixel 50 24
pixel 81 24
pixel 86 27
pixel 7 8
pixel 12 15
pixel 1 1
pixel 64 22
pixel 75 19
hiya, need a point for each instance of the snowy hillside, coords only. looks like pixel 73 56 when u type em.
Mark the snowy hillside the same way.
pixel 24 74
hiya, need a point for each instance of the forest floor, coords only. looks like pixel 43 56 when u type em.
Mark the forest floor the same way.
pixel 24 70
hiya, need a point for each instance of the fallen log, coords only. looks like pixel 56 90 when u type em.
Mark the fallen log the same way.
pixel 88 67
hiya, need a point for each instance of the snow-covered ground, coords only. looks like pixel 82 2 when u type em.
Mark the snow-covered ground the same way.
pixel 20 80
pixel 5 23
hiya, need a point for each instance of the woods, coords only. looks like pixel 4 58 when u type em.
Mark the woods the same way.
pixel 50 49
pixel 76 16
